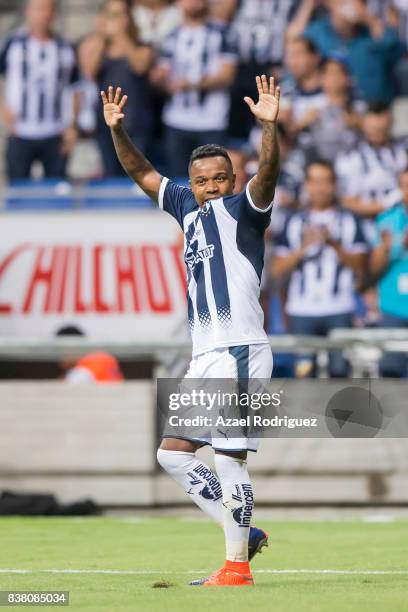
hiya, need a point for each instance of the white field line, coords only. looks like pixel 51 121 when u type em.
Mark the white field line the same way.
pixel 203 571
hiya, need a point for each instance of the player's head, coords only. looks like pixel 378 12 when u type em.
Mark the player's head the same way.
pixel 211 173
pixel 403 184
pixel 193 9
pixel 320 184
pixel 302 58
pixel 377 122
pixel 39 15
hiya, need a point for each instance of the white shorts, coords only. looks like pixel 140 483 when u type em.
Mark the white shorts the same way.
pixel 253 361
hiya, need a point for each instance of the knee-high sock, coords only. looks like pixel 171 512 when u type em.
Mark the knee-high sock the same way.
pixel 196 478
pixel 238 501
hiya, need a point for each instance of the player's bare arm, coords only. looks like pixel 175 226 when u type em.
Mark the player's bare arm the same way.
pixel 266 110
pixel 133 161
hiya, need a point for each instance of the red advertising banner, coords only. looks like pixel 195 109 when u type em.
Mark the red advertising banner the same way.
pixel 114 275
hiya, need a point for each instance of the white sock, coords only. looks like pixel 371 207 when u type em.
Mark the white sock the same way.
pixel 196 478
pixel 238 501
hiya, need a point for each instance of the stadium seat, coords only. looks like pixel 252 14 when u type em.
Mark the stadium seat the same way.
pixel 114 193
pixel 44 194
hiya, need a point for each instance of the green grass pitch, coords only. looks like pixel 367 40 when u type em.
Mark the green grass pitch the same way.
pixel 176 550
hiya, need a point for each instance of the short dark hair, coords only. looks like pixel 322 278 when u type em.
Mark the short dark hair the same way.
pixel 209 150
pixel 378 107
pixel 322 162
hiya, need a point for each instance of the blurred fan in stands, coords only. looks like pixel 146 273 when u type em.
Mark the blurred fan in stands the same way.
pixel 40 70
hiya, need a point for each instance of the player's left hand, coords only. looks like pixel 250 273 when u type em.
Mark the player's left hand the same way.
pixel 267 107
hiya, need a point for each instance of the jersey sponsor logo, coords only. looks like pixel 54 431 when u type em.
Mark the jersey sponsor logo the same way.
pixel 193 256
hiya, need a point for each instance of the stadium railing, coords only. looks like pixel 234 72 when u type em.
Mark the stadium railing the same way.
pixel 360 345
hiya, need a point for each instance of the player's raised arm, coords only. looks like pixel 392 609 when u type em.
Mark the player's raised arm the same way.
pixel 132 160
pixel 266 110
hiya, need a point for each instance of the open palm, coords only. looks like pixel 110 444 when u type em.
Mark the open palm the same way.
pixel 113 105
pixel 267 107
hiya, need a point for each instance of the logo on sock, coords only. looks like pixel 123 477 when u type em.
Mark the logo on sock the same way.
pixel 248 505
pixel 212 487
pixel 194 480
pixel 237 514
pixel 237 495
pixel 242 514
pixel 206 493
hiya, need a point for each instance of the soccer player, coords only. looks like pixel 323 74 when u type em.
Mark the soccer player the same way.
pixel 225 316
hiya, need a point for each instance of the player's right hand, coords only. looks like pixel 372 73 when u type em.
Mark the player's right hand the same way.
pixel 113 105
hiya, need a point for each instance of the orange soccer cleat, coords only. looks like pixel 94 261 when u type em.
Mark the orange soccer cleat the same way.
pixel 226 576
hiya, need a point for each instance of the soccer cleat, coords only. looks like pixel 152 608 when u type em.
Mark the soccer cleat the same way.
pixel 256 541
pixel 224 577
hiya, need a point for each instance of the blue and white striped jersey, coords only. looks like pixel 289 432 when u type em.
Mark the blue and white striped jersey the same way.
pixel 260 27
pixel 192 54
pixel 37 76
pixel 223 252
pixel 371 172
pixel 321 285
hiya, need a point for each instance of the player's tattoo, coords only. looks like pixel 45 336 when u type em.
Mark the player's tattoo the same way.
pixel 263 185
pixel 266 110
pixel 133 161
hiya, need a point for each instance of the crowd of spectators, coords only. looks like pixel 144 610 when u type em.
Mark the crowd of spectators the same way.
pixel 341 209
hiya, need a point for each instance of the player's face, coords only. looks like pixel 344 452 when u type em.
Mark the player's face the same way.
pixel 320 186
pixel 211 178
